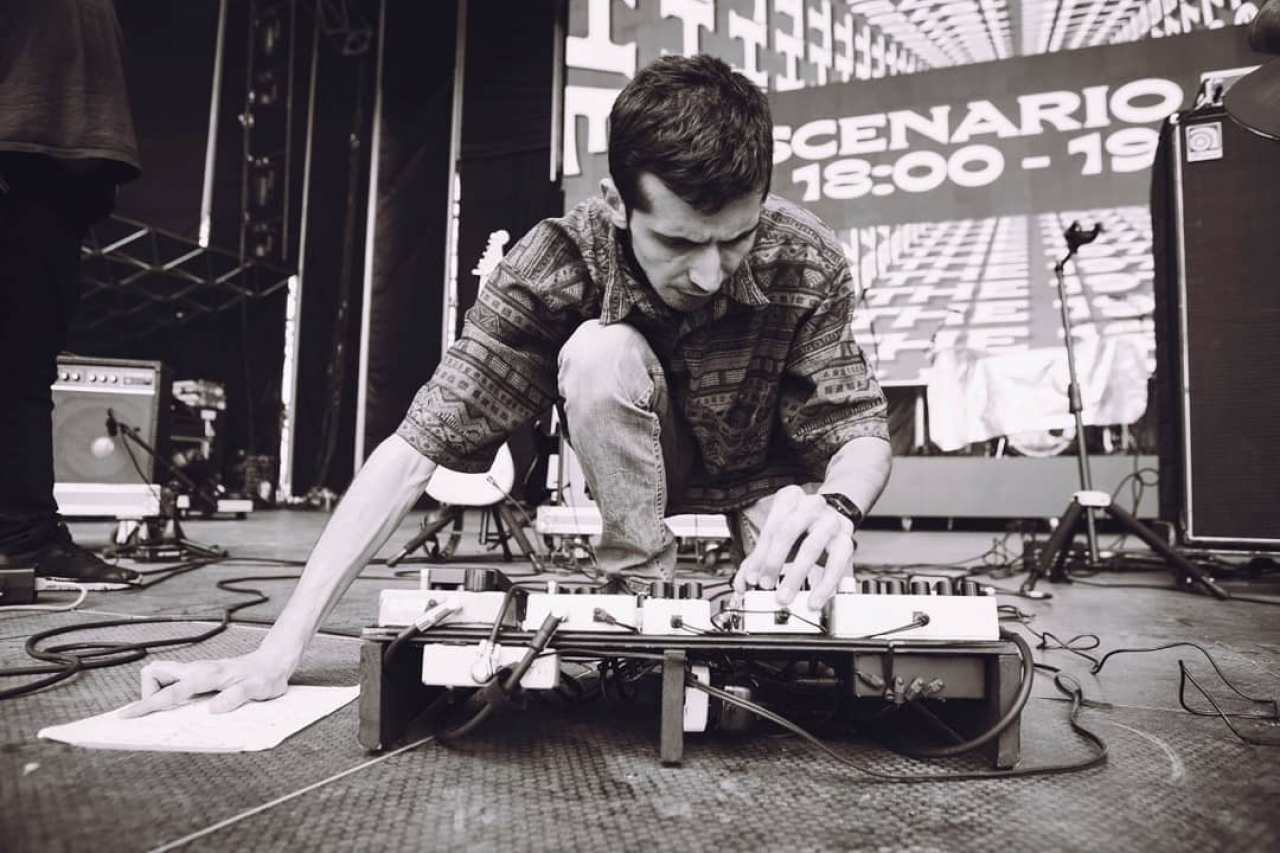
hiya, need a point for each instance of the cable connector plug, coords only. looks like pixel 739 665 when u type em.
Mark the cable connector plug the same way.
pixel 486 662
pixel 435 615
pixel 599 614
pixel 875 682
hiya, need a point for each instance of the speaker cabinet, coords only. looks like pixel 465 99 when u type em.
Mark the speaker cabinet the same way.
pixel 97 473
pixel 1215 209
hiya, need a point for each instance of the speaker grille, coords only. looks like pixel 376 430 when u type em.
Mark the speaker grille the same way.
pixel 1228 323
pixel 135 392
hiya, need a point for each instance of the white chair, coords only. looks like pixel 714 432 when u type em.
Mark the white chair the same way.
pixel 457 492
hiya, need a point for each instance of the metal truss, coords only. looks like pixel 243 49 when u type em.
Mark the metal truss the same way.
pixel 138 280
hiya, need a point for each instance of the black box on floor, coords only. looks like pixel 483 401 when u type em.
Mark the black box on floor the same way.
pixel 17 586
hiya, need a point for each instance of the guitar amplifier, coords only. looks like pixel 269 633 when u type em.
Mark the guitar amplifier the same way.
pixel 1215 207
pixel 97 473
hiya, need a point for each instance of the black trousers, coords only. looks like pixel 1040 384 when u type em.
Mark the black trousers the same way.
pixel 44 213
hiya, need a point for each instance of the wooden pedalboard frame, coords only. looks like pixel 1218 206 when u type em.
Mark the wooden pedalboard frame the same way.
pixel 393 697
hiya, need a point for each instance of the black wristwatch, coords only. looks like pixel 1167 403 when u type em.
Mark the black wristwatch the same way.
pixel 845 507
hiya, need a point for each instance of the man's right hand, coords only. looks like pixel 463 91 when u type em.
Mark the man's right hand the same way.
pixel 252 677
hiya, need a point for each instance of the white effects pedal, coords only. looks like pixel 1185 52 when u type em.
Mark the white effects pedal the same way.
pixel 761 614
pixel 400 607
pixel 675 617
pixel 955 618
pixel 596 612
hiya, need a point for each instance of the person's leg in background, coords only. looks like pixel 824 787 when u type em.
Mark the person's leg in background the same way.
pixel 633 450
pixel 44 213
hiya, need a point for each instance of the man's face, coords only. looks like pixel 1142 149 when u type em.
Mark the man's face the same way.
pixel 686 255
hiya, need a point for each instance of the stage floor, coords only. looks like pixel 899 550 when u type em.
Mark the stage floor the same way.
pixel 587 776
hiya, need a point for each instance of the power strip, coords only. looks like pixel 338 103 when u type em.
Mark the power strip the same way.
pixel 445 665
pixel 586 521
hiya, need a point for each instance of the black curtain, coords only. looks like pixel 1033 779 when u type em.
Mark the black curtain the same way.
pixel 406 306
pixel 339 42
pixel 505 161
pixel 506 129
pixel 329 325
pixel 169 53
pixel 169 62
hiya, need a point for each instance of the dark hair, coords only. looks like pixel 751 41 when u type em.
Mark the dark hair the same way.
pixel 698 126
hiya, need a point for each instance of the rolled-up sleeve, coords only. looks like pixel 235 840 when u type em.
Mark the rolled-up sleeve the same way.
pixel 501 372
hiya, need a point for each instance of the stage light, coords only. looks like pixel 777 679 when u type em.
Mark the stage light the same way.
pixel 268 31
pixel 357 42
pixel 262 239
pixel 266 90
pixel 263 182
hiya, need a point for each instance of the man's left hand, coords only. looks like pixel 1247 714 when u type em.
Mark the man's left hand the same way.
pixel 811 528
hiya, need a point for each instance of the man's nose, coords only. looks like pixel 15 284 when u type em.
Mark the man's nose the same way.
pixel 705 274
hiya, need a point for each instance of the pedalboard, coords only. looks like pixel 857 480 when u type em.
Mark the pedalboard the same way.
pixel 896 640
pixel 920 608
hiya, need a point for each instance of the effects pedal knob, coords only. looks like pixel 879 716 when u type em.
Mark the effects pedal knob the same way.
pixel 479 580
pixel 662 589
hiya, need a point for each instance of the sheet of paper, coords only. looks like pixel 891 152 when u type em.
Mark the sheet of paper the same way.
pixel 192 728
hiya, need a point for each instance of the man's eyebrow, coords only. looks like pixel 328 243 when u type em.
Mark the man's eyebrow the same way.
pixel 670 238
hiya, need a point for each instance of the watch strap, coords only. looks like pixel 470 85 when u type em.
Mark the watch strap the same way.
pixel 845 507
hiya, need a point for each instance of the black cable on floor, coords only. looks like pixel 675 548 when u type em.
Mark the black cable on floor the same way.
pixel 64 661
pixel 1073 691
pixel 1006 720
pixel 67 660
pixel 1185 676
pixel 1077 698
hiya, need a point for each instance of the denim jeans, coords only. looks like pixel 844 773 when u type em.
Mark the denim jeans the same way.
pixel 635 449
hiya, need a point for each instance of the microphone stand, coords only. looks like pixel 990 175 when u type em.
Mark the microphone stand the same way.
pixel 169 542
pixel 1076 237
pixel 1052 560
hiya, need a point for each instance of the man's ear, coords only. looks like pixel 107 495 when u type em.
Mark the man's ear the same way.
pixel 613 200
